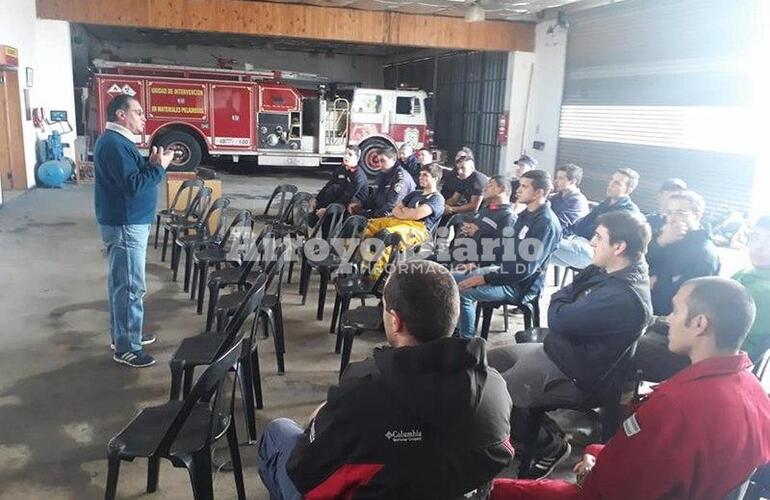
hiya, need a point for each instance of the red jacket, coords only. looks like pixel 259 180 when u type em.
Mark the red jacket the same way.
pixel 697 436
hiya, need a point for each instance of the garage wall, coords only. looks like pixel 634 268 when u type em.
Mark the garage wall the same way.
pixel 44 47
pixel 342 68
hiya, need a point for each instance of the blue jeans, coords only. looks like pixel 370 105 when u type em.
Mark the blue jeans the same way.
pixel 573 252
pixel 483 293
pixel 275 447
pixel 126 253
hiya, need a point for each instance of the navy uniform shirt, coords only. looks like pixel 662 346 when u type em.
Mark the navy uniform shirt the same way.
pixel 434 200
pixel 391 188
pixel 344 187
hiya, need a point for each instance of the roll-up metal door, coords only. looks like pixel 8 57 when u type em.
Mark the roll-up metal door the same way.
pixel 658 86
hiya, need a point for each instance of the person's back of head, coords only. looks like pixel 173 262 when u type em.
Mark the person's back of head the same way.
pixel 421 302
pixel 711 317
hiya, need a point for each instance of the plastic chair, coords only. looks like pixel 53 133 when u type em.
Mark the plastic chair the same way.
pixel 330 221
pixel 762 371
pixel 185 194
pixel 353 323
pixel 194 213
pixel 203 349
pixel 276 205
pixel 605 394
pixel 201 236
pixel 182 432
pixel 239 231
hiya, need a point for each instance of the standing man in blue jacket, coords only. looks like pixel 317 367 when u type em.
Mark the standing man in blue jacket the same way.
pixel 575 249
pixel 591 323
pixel 124 195
pixel 535 236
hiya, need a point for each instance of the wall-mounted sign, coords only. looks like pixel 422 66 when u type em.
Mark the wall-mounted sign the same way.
pixel 9 56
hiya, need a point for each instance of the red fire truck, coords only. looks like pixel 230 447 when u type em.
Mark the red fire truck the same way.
pixel 234 113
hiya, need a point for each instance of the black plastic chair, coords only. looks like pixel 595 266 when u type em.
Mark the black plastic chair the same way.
pixel 249 269
pixel 353 323
pixel 195 212
pixel 182 199
pixel 229 249
pixel 350 231
pixel 602 403
pixel 294 215
pixel 276 205
pixel 330 221
pixel 270 309
pixel 444 237
pixel 200 237
pixel 762 371
pixel 529 308
pixel 183 432
pixel 758 486
pixel 203 349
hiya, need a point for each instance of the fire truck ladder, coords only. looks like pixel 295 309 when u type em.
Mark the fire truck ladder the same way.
pixel 339 112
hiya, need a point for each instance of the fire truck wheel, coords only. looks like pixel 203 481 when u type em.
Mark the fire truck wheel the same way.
pixel 187 151
pixel 369 161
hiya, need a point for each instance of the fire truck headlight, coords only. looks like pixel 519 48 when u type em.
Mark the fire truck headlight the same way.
pixel 272 140
pixel 279 130
pixel 263 130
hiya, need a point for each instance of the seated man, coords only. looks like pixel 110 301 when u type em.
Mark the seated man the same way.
pixel 657 220
pixel 424 418
pixel 414 218
pixel 568 203
pixel 682 250
pixel 450 181
pixel 698 435
pixel 520 272
pixel 575 248
pixel 470 187
pixel 408 160
pixel 347 185
pixel 592 321
pixel 393 183
pixel 488 225
pixel 525 163
pixel 756 279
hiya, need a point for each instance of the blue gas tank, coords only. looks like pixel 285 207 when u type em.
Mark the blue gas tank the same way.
pixel 53 173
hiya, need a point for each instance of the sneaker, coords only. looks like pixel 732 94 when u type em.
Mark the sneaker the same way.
pixel 136 359
pixel 542 467
pixel 146 340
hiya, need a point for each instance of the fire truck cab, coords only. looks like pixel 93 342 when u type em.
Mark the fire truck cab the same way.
pixel 220 112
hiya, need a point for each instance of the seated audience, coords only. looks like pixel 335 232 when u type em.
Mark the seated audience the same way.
pixel 575 249
pixel 568 202
pixel 658 219
pixel 347 185
pixel 486 228
pixel 414 218
pixel 408 160
pixel 470 186
pixel 592 321
pixel 450 181
pixel 698 435
pixel 682 250
pixel 393 183
pixel 422 419
pixel 756 279
pixel 525 163
pixel 519 275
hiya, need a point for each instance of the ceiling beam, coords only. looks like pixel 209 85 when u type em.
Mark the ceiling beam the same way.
pixel 296 21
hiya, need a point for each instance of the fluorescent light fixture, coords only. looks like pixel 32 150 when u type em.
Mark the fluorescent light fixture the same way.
pixel 474 14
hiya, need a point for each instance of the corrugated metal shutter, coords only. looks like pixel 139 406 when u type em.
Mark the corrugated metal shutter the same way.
pixel 659 86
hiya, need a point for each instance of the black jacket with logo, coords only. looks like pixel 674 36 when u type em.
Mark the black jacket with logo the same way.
pixel 344 187
pixel 594 319
pixel 424 422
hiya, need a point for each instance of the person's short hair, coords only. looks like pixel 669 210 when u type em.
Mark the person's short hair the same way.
pixel 540 180
pixel 572 171
pixel 354 149
pixel 388 152
pixel 633 177
pixel 527 160
pixel 728 306
pixel 425 297
pixel 624 225
pixel 673 185
pixel 434 169
pixel 503 181
pixel 467 159
pixel 696 201
pixel 466 151
pixel 119 102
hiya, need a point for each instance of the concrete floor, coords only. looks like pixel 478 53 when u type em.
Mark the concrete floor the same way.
pixel 61 395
